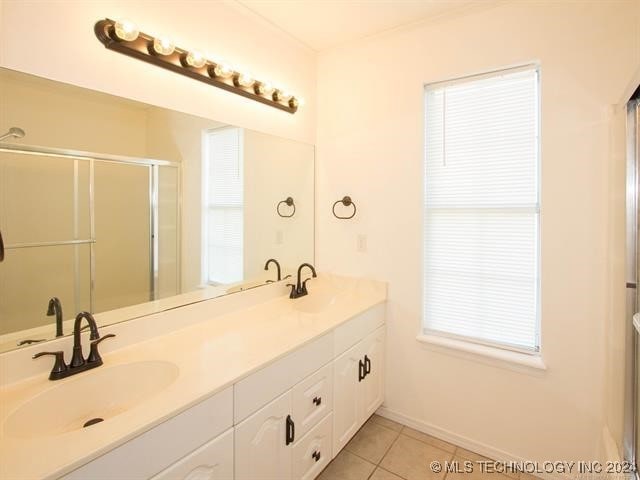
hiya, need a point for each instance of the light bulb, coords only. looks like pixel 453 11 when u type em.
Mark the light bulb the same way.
pixel 295 102
pixel 126 30
pixel 222 70
pixel 264 88
pixel 163 46
pixel 195 59
pixel 283 95
pixel 245 80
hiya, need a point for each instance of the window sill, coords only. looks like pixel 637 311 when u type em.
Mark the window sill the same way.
pixel 490 355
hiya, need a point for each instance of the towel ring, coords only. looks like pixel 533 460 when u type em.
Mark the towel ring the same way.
pixel 346 201
pixel 289 202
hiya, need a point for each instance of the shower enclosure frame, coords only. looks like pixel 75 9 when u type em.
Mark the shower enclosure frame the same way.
pixel 632 275
pixel 154 176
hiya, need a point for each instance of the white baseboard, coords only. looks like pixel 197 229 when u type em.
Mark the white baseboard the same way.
pixel 461 441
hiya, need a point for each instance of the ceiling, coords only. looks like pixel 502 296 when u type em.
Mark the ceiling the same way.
pixel 322 24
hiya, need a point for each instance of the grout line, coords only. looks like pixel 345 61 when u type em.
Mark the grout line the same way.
pixel 395 440
pixel 360 457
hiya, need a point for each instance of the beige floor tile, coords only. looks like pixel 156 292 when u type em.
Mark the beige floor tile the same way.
pixel 385 422
pixel 411 459
pixel 372 442
pixel 381 474
pixel 471 470
pixel 423 437
pixel 347 466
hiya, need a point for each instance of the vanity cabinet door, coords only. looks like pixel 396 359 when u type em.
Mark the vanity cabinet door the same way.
pixel 261 450
pixel 373 384
pixel 212 461
pixel 347 405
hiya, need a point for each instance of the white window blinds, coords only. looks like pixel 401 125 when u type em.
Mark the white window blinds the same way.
pixel 224 206
pixel 481 269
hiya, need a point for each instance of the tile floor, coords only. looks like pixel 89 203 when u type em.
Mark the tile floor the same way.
pixel 386 450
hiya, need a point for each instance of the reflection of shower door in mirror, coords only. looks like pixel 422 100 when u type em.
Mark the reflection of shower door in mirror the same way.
pixel 46 227
pixel 123 248
pixel 99 235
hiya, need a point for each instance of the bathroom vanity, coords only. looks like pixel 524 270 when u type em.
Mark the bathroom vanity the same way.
pixel 251 385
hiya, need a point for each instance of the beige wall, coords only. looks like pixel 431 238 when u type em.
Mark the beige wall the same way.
pixel 370 145
pixel 71 53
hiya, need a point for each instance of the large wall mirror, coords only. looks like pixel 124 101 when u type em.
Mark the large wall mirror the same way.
pixel 124 209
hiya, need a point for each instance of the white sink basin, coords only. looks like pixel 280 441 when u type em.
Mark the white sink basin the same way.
pixel 315 301
pixel 102 393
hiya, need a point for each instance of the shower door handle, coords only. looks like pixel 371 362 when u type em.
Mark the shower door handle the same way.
pixel 1 247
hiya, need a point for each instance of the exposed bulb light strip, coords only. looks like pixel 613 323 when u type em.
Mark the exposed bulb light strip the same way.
pixel 124 37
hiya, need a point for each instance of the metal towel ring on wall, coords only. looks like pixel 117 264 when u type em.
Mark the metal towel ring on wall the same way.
pixel 289 202
pixel 346 201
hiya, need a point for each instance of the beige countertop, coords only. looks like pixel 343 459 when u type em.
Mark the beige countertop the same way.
pixel 210 355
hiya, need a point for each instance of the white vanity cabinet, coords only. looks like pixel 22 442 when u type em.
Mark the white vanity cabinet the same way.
pixel 285 421
pixel 358 385
pixel 290 437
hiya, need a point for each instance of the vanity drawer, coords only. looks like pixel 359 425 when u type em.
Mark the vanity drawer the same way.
pixel 156 449
pixel 351 332
pixel 261 387
pixel 313 399
pixel 213 461
pixel 313 451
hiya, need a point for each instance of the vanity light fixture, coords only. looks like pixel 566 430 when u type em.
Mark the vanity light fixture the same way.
pixel 124 37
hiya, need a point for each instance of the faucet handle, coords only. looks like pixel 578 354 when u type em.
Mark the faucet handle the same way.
pixel 59 367
pixel 304 286
pixel 94 355
pixel 293 290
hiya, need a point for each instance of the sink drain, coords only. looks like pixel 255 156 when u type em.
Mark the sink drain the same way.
pixel 93 421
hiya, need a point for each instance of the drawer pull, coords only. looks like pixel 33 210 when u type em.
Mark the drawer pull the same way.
pixel 317 401
pixel 367 365
pixel 360 370
pixel 316 455
pixel 290 434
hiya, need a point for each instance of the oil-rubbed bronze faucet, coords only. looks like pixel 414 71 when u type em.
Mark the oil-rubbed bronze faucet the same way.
pixel 55 308
pixel 300 289
pixel 273 260
pixel 78 362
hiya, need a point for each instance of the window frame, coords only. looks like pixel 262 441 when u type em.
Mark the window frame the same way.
pixel 468 344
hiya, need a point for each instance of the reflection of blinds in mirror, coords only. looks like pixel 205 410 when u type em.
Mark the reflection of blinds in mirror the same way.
pixel 224 206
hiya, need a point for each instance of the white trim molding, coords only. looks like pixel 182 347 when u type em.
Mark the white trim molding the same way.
pixel 493 356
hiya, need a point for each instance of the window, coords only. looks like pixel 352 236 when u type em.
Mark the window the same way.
pixel 481 237
pixel 223 206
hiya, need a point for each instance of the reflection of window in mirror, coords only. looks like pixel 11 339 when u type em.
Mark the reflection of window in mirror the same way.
pixel 222 219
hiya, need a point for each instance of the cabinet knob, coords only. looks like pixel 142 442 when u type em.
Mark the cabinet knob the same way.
pixel 316 455
pixel 317 400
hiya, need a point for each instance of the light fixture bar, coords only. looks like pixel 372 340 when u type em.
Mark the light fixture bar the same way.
pixel 190 64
